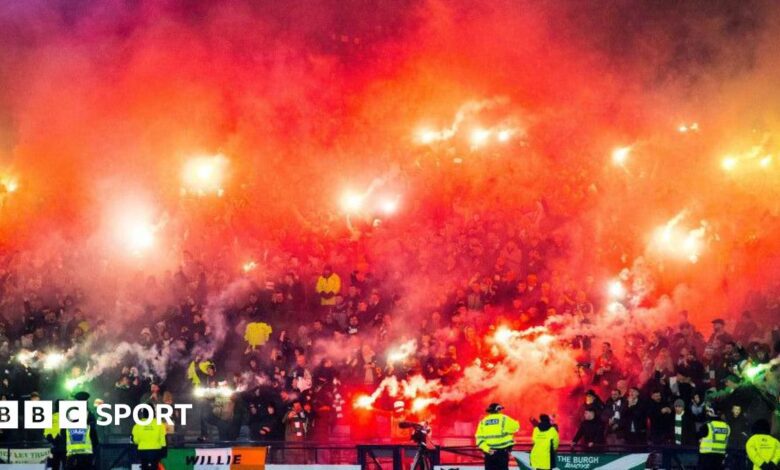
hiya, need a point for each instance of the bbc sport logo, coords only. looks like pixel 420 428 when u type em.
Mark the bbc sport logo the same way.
pixel 39 414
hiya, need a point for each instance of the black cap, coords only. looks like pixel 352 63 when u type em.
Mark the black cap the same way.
pixel 494 408
pixel 82 396
pixel 544 419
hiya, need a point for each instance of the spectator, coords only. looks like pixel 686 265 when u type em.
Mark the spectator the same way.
pixel 154 395
pixel 661 419
pixel 684 425
pixel 296 422
pixel 635 419
pixel 593 401
pixel 719 336
pixel 590 432
pixel 328 286
pixel 264 423
pixel 740 428
pixel 613 414
pixel 300 376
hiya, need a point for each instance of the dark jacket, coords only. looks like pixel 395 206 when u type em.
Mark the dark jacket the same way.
pixel 661 424
pixel 613 409
pixel 740 431
pixel 265 427
pixel 634 420
pixel 590 431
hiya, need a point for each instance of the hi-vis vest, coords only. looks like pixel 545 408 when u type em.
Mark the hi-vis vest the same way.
pixel 54 430
pixel 149 436
pixel 716 439
pixel 545 444
pixel 761 449
pixel 496 431
pixel 77 441
pixel 329 285
pixel 194 370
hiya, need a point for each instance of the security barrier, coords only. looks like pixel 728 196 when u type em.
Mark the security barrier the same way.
pixel 322 456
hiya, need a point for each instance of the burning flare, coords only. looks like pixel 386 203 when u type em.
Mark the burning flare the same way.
pixel 675 241
pixel 204 175
pixel 403 352
pixel 620 155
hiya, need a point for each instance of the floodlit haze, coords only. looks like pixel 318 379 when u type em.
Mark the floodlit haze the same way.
pixel 646 134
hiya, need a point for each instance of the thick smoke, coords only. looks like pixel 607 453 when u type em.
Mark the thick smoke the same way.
pixel 308 98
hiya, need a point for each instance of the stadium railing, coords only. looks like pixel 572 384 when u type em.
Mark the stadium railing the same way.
pixel 385 456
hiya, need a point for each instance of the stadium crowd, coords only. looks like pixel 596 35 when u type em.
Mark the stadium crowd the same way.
pixel 294 337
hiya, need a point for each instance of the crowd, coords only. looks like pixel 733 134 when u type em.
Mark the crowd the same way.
pixel 669 401
pixel 279 349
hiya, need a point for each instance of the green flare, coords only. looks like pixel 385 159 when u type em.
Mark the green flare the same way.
pixel 71 384
pixel 752 372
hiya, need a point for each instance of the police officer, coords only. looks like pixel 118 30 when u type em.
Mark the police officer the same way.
pixel 495 437
pixel 150 440
pixel 712 447
pixel 763 450
pixel 546 440
pixel 80 444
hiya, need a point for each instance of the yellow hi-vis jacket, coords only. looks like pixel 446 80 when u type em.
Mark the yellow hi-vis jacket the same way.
pixel 54 430
pixel 78 441
pixel 545 443
pixel 192 371
pixel 149 436
pixel 328 285
pixel 715 440
pixel 761 449
pixel 496 431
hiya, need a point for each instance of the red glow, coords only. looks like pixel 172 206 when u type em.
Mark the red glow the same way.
pixel 254 129
pixel 205 175
pixel 364 401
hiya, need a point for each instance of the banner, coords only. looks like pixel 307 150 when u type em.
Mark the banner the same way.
pixel 24 459
pixel 218 459
pixel 39 455
pixel 571 462
pixel 589 461
pixel 312 467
